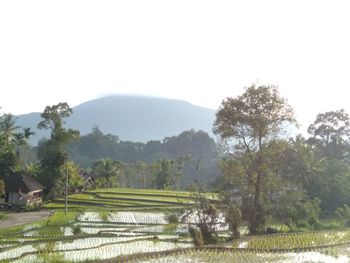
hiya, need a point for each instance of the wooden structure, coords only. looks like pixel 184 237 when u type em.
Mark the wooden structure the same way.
pixel 22 190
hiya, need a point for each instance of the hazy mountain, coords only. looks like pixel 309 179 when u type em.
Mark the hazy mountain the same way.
pixel 131 118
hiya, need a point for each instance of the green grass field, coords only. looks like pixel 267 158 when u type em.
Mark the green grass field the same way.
pixel 123 198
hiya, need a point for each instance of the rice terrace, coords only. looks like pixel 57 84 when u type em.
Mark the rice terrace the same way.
pixel 128 225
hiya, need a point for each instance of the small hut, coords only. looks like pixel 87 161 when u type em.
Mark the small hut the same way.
pixel 22 190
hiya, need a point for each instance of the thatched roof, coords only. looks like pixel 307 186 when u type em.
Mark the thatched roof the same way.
pixel 20 182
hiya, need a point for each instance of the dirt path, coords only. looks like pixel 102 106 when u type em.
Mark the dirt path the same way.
pixel 15 219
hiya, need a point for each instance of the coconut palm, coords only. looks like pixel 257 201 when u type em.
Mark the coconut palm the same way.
pixel 8 128
pixel 107 168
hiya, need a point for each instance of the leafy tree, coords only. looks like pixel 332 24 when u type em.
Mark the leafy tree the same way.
pixel 330 178
pixel 197 144
pixel 207 217
pixel 246 125
pixel 53 119
pixel 107 169
pixel 75 180
pixel 92 147
pixel 300 161
pixel 163 173
pixel 51 153
pixel 168 173
pixel 293 209
pixel 330 133
pixel 143 173
pixel 330 183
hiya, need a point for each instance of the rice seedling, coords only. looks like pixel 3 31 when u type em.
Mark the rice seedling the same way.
pixel 296 240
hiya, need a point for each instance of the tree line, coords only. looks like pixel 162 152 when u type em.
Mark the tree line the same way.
pixel 171 163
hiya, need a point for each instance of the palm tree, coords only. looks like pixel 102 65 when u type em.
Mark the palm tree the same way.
pixel 11 139
pixel 8 128
pixel 107 168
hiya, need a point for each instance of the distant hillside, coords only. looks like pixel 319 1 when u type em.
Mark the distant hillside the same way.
pixel 131 118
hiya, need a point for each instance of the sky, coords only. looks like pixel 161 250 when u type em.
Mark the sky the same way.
pixel 197 51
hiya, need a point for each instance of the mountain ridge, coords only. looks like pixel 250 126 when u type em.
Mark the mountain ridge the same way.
pixel 132 118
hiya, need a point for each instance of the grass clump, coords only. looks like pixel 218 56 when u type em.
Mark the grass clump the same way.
pixel 3 215
pixel 59 218
pixel 76 230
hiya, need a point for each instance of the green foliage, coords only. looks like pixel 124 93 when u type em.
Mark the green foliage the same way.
pixel 172 218
pixel 330 176
pixel 138 157
pixel 293 212
pixel 330 183
pixel 344 214
pixel 170 228
pixel 330 133
pixel 163 173
pixel 12 140
pixel 51 153
pixel 297 240
pixel 2 215
pixel 197 236
pixel 33 207
pixel 107 169
pixel 53 119
pixel 76 230
pixel 168 173
pixel 101 182
pixel 104 215
pixel 75 180
pixel 2 188
pixel 46 253
pixel 233 218
pixel 207 216
pixel 60 218
pixel 311 210
pixel 250 124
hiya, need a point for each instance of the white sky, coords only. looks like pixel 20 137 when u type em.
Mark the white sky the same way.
pixel 198 51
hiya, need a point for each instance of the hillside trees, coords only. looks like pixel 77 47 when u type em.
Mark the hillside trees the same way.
pixel 330 133
pixel 95 146
pixel 51 153
pixel 247 125
pixel 330 180
pixel 142 171
pixel 12 139
pixel 168 173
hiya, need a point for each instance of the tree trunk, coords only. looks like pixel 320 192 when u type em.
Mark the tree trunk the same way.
pixel 258 217
pixel 257 221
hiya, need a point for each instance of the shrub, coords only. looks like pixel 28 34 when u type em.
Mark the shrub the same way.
pixel 197 236
pixel 76 230
pixel 344 214
pixel 173 219
pixel 233 218
pixel 271 230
